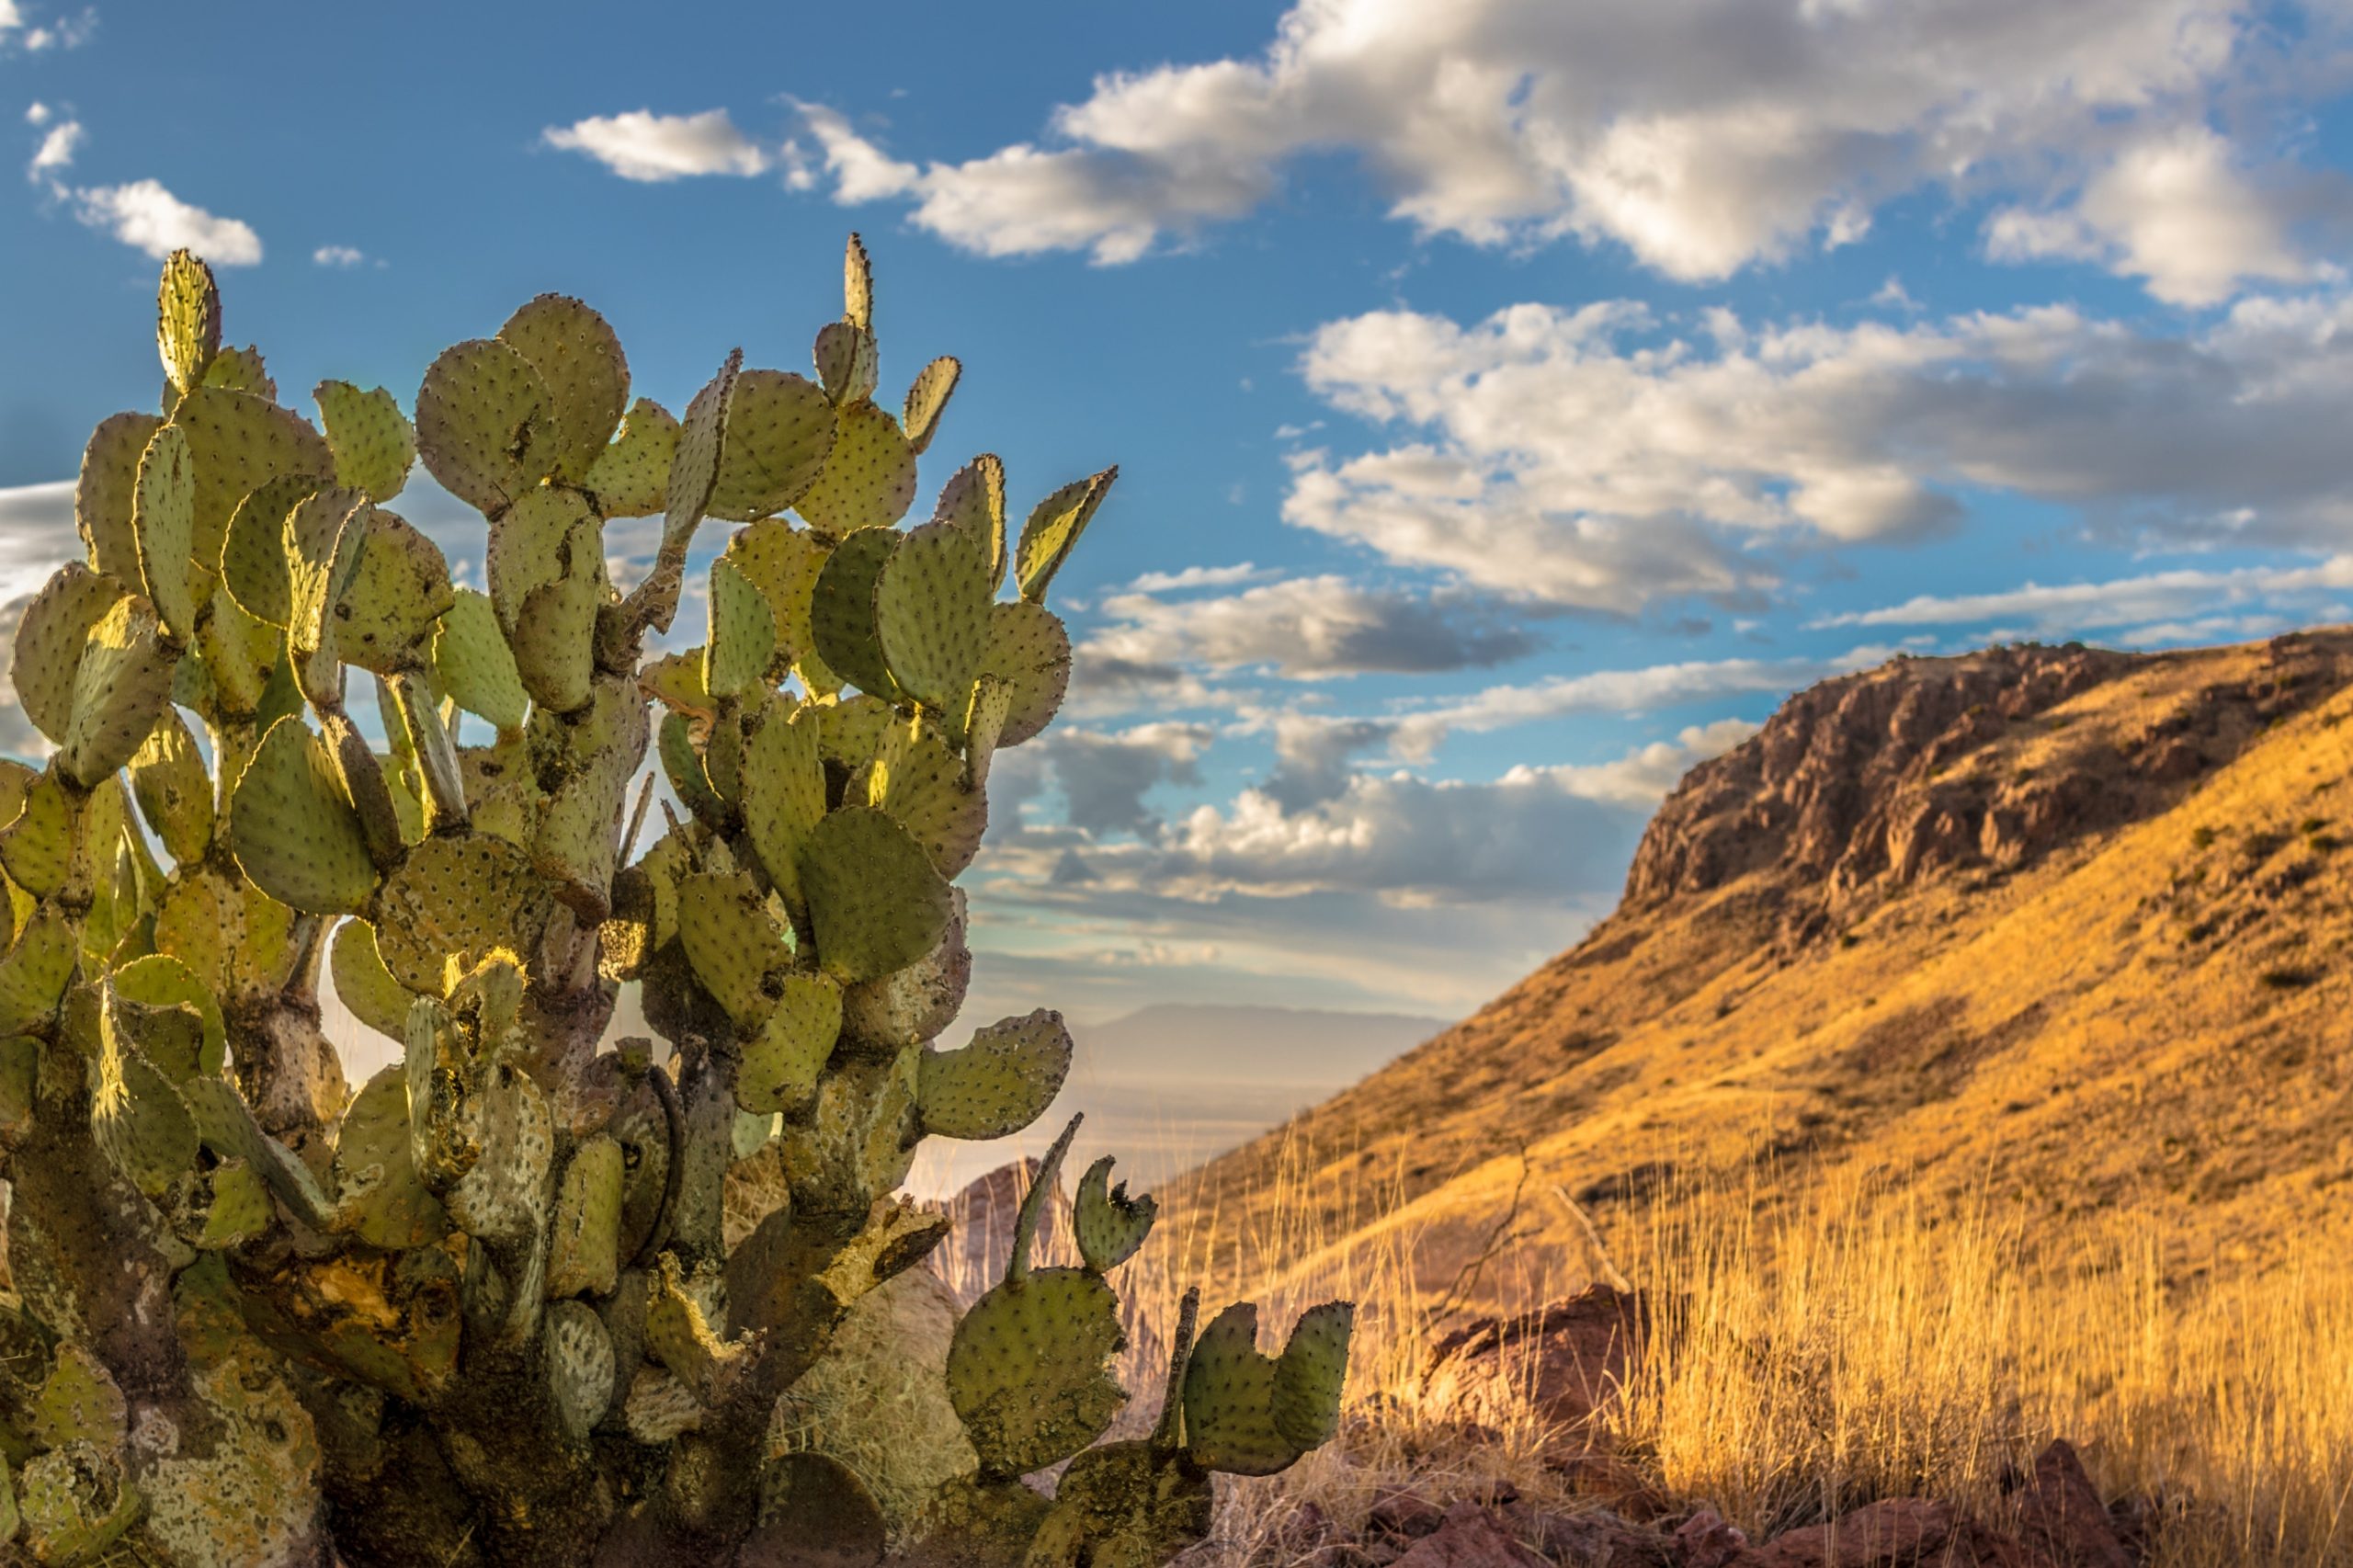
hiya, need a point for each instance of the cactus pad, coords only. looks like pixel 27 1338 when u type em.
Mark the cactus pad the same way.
pixel 399 589
pixel 188 320
pixel 780 432
pixel 295 831
pixel 1000 1083
pixel 580 1368
pixel 580 363
pixel 1111 1225
pixel 102 495
pixel 378 1194
pixel 473 663
pixel 857 285
pixel 506 1197
pixel 51 640
pixel 875 901
pixel 845 357
pixel 457 896
pixel 240 443
pixel 1052 530
pixel 138 1118
pixel 164 518
pixel 869 480
pixel 732 943
pixel 487 425
pixel 1027 1372
pixel 742 633
pixel 1123 1506
pixel 253 556
pixel 911 1006
pixel 931 617
pixel 584 1254
pixel 916 778
pixel 174 792
pixel 1230 1399
pixel 363 982
pixel 686 491
pixel 162 981
pixel 35 973
pixel 927 400
pixel 842 610
pixel 1309 1377
pixel 784 793
pixel 373 443
pixel 76 1503
pixel 783 563
pixel 780 1063
pixel 123 686
pixel 974 499
pixel 1030 651
pixel 629 476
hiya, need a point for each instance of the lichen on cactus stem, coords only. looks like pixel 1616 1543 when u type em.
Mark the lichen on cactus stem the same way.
pixel 529 1296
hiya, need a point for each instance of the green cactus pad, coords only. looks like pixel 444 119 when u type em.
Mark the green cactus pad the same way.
pixel 732 943
pixel 630 477
pixel 241 369
pixel 51 640
pixel 530 546
pixel 138 1118
pixel 240 443
pixel 974 499
pixel 473 663
pixel 373 444
pixel 123 685
pixel 1123 1504
pixel 1052 530
pixel 686 491
pixel 487 425
pixel 1028 1370
pixel 841 610
pixel 855 1142
pixel 927 400
pixel 851 731
pixel 253 557
pixel 174 792
pixel 227 1127
pixel 869 480
pixel 920 782
pixel 367 987
pixel 911 1006
pixel 857 285
pixel 226 1206
pixel 37 846
pixel 457 895
pixel 554 636
pixel 399 589
pixel 162 981
pixel 846 362
pixel 294 829
pixel 164 518
pixel 783 563
pixel 784 793
pixel 188 320
pixel 504 1196
pixel 780 432
pixel 583 1256
pixel 931 617
pixel 580 363
pixel 682 764
pixel 1110 1225
pixel 875 901
pixel 1030 651
pixel 34 975
pixel 1000 1083
pixel 323 536
pixel 674 680
pixel 102 495
pixel 782 1062
pixel 985 724
pixel 580 1368
pixel 1230 1399
pixel 377 1195
pixel 742 633
pixel 1309 1377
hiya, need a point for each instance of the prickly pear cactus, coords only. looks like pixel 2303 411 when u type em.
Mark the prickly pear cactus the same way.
pixel 531 1295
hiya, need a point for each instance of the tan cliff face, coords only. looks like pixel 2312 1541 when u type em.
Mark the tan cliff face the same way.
pixel 2053 927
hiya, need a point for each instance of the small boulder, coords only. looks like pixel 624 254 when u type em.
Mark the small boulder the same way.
pixel 1706 1540
pixel 1469 1537
pixel 1563 1364
pixel 2062 1516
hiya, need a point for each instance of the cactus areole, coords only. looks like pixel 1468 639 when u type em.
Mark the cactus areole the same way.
pixel 532 1296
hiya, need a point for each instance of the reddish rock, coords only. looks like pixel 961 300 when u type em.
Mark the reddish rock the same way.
pixel 2062 1516
pixel 1705 1541
pixel 1618 1485
pixel 1561 1363
pixel 1598 1539
pixel 1469 1537
pixel 1404 1512
pixel 1904 1532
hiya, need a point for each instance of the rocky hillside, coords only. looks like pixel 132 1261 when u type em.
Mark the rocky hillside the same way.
pixel 2054 926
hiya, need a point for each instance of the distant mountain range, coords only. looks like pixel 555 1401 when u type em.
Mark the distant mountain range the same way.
pixel 2057 930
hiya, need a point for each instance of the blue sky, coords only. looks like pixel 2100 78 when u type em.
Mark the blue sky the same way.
pixel 1514 400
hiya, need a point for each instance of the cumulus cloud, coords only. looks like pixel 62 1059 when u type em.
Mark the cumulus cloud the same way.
pixel 1701 135
pixel 1307 629
pixel 144 215
pixel 643 145
pixel 2173 210
pixel 1591 459
pixel 1105 777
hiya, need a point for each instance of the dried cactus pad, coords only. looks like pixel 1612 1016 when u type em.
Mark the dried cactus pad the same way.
pixel 295 831
pixel 1110 1225
pixel 1026 1369
pixel 1000 1083
pixel 874 898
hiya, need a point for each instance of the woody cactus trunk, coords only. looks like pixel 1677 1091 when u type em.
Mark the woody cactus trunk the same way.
pixel 483 1311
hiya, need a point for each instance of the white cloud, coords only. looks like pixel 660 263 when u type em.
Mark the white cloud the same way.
pixel 1590 459
pixel 1198 577
pixel 643 145
pixel 66 31
pixel 56 150
pixel 37 113
pixel 338 256
pixel 2147 601
pixel 2171 208
pixel 36 536
pixel 1306 629
pixel 144 215
pixel 1703 135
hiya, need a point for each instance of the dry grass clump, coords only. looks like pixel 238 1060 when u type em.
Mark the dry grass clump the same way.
pixel 1841 1345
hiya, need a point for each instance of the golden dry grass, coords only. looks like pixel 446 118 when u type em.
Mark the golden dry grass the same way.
pixel 1851 1345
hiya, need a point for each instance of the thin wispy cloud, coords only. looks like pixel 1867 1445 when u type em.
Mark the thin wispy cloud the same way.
pixel 338 256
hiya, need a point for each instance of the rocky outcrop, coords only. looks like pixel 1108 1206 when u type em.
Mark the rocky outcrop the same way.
pixel 1562 1365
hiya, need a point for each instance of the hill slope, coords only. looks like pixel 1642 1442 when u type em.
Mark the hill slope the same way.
pixel 2054 926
